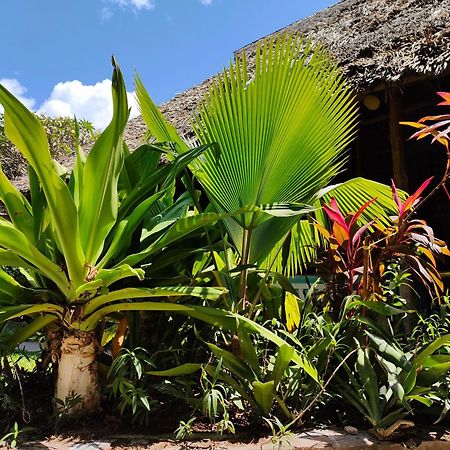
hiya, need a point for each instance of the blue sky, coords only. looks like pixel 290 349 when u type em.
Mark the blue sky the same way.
pixel 56 53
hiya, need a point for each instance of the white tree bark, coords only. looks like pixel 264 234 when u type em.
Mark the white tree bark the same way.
pixel 77 374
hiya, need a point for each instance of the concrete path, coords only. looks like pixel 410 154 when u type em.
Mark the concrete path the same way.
pixel 305 440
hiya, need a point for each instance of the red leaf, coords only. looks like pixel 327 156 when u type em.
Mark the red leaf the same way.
pixel 446 97
pixel 360 211
pixel 411 200
pixel 334 213
pixel 396 198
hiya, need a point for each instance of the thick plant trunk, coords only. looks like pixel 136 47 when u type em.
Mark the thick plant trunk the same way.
pixel 77 384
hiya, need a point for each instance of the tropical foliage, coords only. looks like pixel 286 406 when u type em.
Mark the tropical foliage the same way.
pixel 173 278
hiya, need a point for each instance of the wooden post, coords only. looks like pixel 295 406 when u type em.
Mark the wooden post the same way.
pixel 396 137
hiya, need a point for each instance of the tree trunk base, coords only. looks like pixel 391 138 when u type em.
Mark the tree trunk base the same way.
pixel 77 387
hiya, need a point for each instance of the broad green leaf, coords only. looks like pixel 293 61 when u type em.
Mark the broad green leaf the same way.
pixel 379 307
pixel 284 357
pixel 236 366
pixel 99 199
pixel 106 277
pixel 389 352
pixel 16 242
pixel 28 135
pixel 430 349
pixel 123 233
pixel 12 312
pixel 171 291
pixel 264 394
pixel 18 207
pixel 248 350
pixel 22 334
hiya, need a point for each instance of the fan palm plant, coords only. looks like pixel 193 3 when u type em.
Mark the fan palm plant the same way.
pixel 282 127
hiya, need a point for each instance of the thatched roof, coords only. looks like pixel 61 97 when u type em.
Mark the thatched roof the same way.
pixel 375 41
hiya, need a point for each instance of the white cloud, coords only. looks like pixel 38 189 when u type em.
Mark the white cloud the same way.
pixel 136 4
pixel 16 88
pixel 90 102
pixel 206 2
pixel 107 12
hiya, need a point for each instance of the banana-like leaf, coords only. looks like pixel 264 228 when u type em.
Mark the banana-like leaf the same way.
pixel 27 133
pixel 99 199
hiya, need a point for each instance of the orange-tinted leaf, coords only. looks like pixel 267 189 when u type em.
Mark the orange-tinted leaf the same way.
pixel 340 233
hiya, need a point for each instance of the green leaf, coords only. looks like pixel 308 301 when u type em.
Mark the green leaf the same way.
pixel 282 361
pixel 12 312
pixel 378 307
pixel 28 135
pixel 155 121
pixel 430 349
pixel 248 350
pixel 264 394
pixel 369 382
pixel 18 207
pixel 99 199
pixel 22 334
pixel 390 353
pixel 171 291
pixel 183 369
pixel 16 242
pixel 236 366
